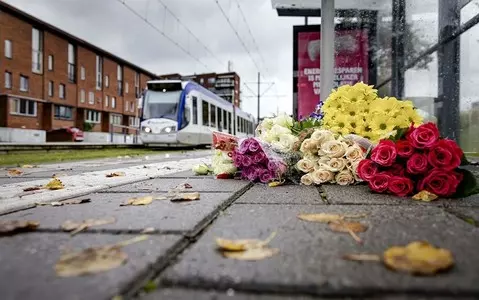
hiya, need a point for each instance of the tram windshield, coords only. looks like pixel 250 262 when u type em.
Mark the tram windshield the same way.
pixel 159 104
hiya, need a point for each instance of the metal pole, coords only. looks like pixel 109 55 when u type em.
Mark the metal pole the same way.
pixel 259 94
pixel 327 48
pixel 305 20
pixel 397 46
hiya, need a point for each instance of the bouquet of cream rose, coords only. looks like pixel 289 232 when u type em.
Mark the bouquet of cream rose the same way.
pixel 331 158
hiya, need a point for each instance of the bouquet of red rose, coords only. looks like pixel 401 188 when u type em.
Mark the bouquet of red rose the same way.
pixel 258 162
pixel 419 160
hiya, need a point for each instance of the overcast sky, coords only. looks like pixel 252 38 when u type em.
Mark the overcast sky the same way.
pixel 110 25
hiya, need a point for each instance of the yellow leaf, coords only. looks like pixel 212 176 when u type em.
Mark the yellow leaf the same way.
pixel 362 257
pixel 28 166
pixel 116 174
pixel 326 218
pixel 55 184
pixel 76 227
pixel 14 226
pixel 251 254
pixel 348 227
pixel 138 201
pixel 185 197
pixel 14 172
pixel 425 196
pixel 243 244
pixel 275 183
pixel 418 258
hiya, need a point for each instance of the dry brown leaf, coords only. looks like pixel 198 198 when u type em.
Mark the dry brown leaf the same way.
pixel 28 166
pixel 425 196
pixel 242 244
pixel 138 201
pixel 275 183
pixel 251 254
pixel 14 226
pixel 76 227
pixel 14 172
pixel 362 257
pixel 418 258
pixel 185 197
pixel 33 188
pixel 55 184
pixel 326 218
pixel 348 227
pixel 116 174
pixel 94 260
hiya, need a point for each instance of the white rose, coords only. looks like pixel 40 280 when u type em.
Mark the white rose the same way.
pixel 308 146
pixel 285 143
pixel 333 149
pixel 336 164
pixel 305 165
pixel 322 176
pixel 306 179
pixel 266 124
pixel 267 136
pixel 344 178
pixel 283 120
pixel 354 169
pixel 354 153
pixel 278 130
pixel 322 136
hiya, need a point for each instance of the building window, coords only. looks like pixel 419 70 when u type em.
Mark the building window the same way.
pixel 202 80
pixel 50 88
pixel 119 78
pixel 126 88
pixel 82 96
pixel 91 98
pixel 106 101
pixel 113 102
pixel 82 73
pixel 107 81
pixel 63 112
pixel 211 80
pixel 23 107
pixel 133 122
pixel 92 116
pixel 132 106
pixel 37 51
pixel 8 49
pixel 8 80
pixel 71 63
pixel 50 62
pixel 99 72
pixel 61 91
pixel 116 119
pixel 205 113
pixel 127 105
pixel 23 83
pixel 137 85
pixel 195 110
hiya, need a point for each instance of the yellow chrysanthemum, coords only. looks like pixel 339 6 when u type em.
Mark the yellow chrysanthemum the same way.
pixel 355 124
pixel 340 123
pixel 412 116
pixel 401 121
pixel 381 124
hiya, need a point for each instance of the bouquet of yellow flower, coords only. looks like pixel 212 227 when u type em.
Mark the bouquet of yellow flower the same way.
pixel 358 110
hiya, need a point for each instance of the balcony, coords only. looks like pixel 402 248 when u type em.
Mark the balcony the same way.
pixel 222 83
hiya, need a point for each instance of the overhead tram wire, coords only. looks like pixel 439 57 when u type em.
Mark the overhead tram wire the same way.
pixel 190 32
pixel 186 51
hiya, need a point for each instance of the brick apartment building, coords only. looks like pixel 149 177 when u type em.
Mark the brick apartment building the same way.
pixel 50 79
pixel 225 85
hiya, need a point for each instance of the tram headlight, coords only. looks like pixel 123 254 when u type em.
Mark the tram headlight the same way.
pixel 169 129
pixel 147 129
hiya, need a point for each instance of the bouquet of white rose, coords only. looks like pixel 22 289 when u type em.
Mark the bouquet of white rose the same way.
pixel 330 158
pixel 277 132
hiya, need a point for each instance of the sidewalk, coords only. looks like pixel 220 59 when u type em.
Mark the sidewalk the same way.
pixel 180 261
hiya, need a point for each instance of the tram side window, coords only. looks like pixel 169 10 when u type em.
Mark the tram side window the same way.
pixel 205 113
pixel 238 127
pixel 225 120
pixel 195 110
pixel 230 124
pixel 220 118
pixel 213 116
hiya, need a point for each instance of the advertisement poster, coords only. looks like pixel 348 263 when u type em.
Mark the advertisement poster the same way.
pixel 351 65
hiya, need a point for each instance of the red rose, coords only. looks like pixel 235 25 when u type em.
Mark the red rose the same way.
pixel 417 164
pixel 404 148
pixel 384 153
pixel 379 183
pixel 367 169
pixel 446 155
pixel 423 137
pixel 400 186
pixel 396 170
pixel 441 182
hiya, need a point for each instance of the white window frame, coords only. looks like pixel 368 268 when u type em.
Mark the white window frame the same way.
pixel 62 91
pixel 126 87
pixel 91 98
pixel 99 72
pixel 113 102
pixel 82 73
pixel 50 63
pixel 93 116
pixel 133 121
pixel 107 81
pixel 114 119
pixel 24 83
pixel 8 80
pixel 15 108
pixel 106 100
pixel 82 96
pixel 126 105
pixel 51 88
pixel 37 51
pixel 8 48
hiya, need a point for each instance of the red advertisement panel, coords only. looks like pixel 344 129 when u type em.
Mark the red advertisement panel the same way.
pixel 351 65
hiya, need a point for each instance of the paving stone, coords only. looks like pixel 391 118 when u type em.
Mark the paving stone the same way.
pixel 310 254
pixel 162 215
pixel 469 214
pixel 187 174
pixel 360 194
pixel 28 261
pixel 198 183
pixel 287 194
pixel 5 180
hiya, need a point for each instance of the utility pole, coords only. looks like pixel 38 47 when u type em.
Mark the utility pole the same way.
pixel 259 94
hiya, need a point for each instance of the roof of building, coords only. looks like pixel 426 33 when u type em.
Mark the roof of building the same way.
pixel 57 31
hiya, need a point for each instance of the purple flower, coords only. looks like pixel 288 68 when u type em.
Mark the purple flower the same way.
pixel 251 174
pixel 243 148
pixel 266 176
pixel 277 167
pixel 247 161
pixel 259 157
pixel 254 146
pixel 237 159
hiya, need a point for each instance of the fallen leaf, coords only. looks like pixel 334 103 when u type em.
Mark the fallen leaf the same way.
pixel 185 197
pixel 75 201
pixel 33 188
pixel 348 227
pixel 14 172
pixel 94 260
pixel 55 184
pixel 418 258
pixel 275 183
pixel 425 196
pixel 14 226
pixel 242 244
pixel 116 174
pixel 362 257
pixel 251 254
pixel 58 175
pixel 148 230
pixel 326 218
pixel 184 186
pixel 138 201
pixel 76 227
pixel 28 166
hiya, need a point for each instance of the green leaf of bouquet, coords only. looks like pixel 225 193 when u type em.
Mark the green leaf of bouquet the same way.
pixel 468 185
pixel 464 161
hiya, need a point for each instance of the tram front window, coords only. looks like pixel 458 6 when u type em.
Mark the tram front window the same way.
pixel 161 105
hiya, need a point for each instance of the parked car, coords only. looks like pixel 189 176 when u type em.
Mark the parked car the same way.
pixel 65 134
